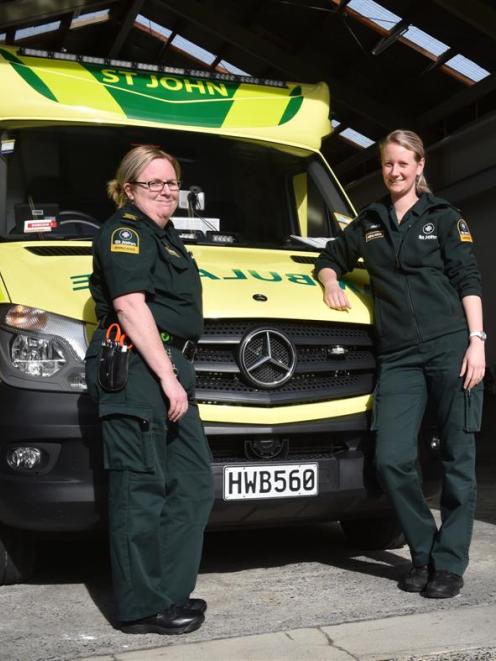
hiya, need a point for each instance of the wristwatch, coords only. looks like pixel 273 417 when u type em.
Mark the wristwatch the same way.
pixel 480 334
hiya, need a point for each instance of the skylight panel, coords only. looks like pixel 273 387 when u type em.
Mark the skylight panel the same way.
pixel 335 123
pixel 425 41
pixel 196 51
pixel 154 27
pixel 90 18
pixel 356 138
pixel 232 69
pixel 375 12
pixel 24 33
pixel 467 68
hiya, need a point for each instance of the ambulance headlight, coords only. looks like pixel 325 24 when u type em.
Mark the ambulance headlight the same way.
pixel 41 350
pixel 24 459
pixel 37 356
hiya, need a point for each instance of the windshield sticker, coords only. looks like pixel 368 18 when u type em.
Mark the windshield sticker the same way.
pixel 125 240
pixel 7 146
pixel 40 225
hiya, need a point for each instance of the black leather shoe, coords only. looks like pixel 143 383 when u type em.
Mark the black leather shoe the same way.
pixel 443 585
pixel 416 579
pixel 174 620
pixel 197 605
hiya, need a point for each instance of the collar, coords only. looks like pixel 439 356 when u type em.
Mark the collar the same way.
pixel 426 202
pixel 131 212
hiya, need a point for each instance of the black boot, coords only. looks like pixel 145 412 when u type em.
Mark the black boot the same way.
pixel 173 620
pixel 196 605
pixel 416 579
pixel 443 585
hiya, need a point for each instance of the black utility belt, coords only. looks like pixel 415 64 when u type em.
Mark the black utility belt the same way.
pixel 187 347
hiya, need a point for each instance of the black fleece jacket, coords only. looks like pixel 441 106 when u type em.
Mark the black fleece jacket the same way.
pixel 418 284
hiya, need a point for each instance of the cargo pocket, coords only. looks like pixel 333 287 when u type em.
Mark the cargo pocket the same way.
pixel 128 438
pixel 473 408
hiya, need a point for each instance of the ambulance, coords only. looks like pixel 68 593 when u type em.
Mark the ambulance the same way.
pixel 284 383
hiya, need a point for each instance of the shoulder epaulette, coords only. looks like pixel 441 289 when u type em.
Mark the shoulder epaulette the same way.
pixel 129 216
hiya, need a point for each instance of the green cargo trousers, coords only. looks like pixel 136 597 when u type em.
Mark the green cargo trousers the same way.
pixel 407 379
pixel 160 487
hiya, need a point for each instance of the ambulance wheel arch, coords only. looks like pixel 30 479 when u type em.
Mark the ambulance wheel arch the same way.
pixel 17 556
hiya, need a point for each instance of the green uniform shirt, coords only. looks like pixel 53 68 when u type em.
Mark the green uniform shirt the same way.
pixel 398 230
pixel 132 253
pixel 419 270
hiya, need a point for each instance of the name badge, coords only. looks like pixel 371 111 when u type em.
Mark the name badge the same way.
pixel 375 234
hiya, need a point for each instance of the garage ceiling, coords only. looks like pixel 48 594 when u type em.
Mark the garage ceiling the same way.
pixel 429 65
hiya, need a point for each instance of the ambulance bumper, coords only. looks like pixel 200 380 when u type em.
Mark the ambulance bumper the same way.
pixel 67 492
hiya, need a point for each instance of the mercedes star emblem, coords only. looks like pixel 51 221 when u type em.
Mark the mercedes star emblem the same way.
pixel 267 358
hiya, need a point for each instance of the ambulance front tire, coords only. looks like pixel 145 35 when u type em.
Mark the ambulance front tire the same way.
pixel 17 556
pixel 374 534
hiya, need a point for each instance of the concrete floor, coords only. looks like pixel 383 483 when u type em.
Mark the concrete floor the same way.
pixel 256 582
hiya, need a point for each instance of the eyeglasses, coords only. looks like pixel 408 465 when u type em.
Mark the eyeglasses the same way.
pixel 157 185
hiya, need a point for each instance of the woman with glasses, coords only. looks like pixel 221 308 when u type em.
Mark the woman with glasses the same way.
pixel 139 369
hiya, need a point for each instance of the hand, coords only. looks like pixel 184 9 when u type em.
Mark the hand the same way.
pixel 335 297
pixel 178 399
pixel 474 364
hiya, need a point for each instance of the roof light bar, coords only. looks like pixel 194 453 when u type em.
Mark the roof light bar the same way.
pixel 160 68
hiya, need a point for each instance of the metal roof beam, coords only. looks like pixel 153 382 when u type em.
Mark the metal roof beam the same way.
pixel 290 67
pixel 125 27
pixel 477 14
pixel 28 12
pixel 357 159
pixel 469 95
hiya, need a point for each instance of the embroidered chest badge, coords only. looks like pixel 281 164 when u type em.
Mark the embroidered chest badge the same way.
pixel 464 231
pixel 374 234
pixel 428 232
pixel 125 239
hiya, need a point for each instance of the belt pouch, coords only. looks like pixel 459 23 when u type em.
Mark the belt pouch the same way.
pixel 113 366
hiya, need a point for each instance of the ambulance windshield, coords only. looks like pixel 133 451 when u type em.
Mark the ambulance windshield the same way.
pixel 234 192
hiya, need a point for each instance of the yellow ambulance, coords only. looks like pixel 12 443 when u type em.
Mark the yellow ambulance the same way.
pixel 284 383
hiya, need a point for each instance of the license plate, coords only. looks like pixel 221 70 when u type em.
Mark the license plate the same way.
pixel 270 481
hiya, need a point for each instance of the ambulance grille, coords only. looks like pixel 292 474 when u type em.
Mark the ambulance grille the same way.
pixel 333 361
pixel 59 251
pixel 303 259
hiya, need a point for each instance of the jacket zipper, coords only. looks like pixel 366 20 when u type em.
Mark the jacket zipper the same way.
pixel 410 300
